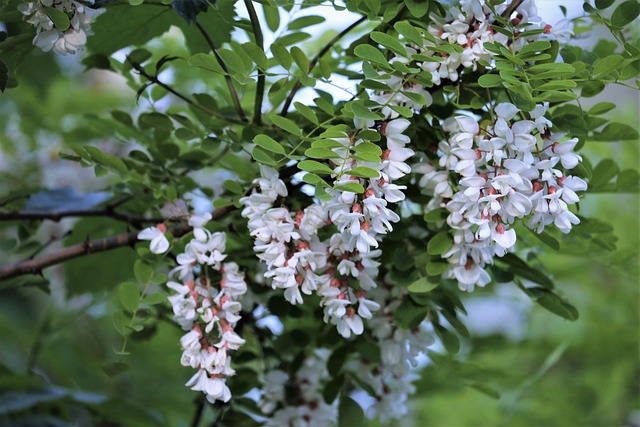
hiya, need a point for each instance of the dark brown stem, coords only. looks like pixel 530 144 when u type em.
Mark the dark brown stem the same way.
pixel 257 32
pixel 314 62
pixel 232 89
pixel 509 10
pixel 58 215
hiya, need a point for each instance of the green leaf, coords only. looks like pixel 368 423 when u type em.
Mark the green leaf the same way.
pixel 300 58
pixel 490 80
pixel 553 303
pixel 389 42
pixel 321 153
pixel 409 315
pixel 59 18
pixel 129 295
pixel 157 121
pixel 448 338
pixel 605 66
pixel 522 269
pixel 269 144
pixel 547 239
pixel 233 186
pixel 232 60
pixel 421 286
pixel 363 172
pixel 440 243
pixel 281 54
pixel 119 321
pixel 603 4
pixel 257 55
pixel 350 414
pixel 261 156
pixel 314 167
pixel 409 32
pixel 306 111
pixel 436 268
pixel 305 21
pixel 436 215
pixel 418 8
pixel 142 271
pixel 537 46
pixel 286 124
pixel 153 299
pixel 371 54
pixel 112 162
pixel 272 16
pixel 626 13
pixel 206 61
pixel 352 187
pixel 616 132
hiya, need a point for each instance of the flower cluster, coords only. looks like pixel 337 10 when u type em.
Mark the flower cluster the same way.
pixel 307 407
pixel 49 36
pixel 391 378
pixel 207 309
pixel 503 173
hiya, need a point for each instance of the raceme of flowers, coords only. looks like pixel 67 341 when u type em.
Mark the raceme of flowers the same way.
pixel 507 172
pixel 207 308
pixel 49 36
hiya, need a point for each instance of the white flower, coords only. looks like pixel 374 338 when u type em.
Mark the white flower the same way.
pixel 159 243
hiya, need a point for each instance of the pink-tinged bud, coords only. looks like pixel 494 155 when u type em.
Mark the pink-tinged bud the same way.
pixel 491 191
pixel 331 271
pixel 383 128
pixel 386 389
pixel 552 190
pixel 299 279
pixel 341 296
pixel 359 266
pixel 303 245
pixel 354 178
pixel 500 228
pixel 196 327
pixel 478 153
pixel 211 349
pixel 485 215
pixel 365 226
pixel 335 283
pixel 351 312
pixel 190 284
pixel 223 283
pixel 299 216
pixel 468 265
pixel 382 182
pixel 385 154
pixel 497 218
pixel 313 405
pixel 194 294
pixel 344 283
pixel 356 208
pixel 537 186
pixel 548 28
pixel 162 228
pixel 361 294
pixel 553 147
pixel 484 176
pixel 224 299
pixel 561 181
pixel 515 21
pixel 369 193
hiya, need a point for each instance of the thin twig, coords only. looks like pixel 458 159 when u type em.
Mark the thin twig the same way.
pixel 314 61
pixel 232 89
pixel 512 6
pixel 257 32
pixel 48 243
pixel 155 80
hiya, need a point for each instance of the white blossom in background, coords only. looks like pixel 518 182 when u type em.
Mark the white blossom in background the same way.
pixel 48 36
pixel 159 242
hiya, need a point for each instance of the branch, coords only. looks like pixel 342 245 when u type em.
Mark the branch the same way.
pixel 257 32
pixel 35 266
pixel 154 79
pixel 314 61
pixel 509 10
pixel 58 215
pixel 227 76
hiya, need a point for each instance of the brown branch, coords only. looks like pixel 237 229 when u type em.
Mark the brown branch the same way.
pixel 314 61
pixel 511 8
pixel 35 266
pixel 58 215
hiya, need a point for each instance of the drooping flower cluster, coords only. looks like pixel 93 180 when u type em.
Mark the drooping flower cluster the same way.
pixel 392 377
pixel 304 405
pixel 205 307
pixel 65 35
pixel 505 172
